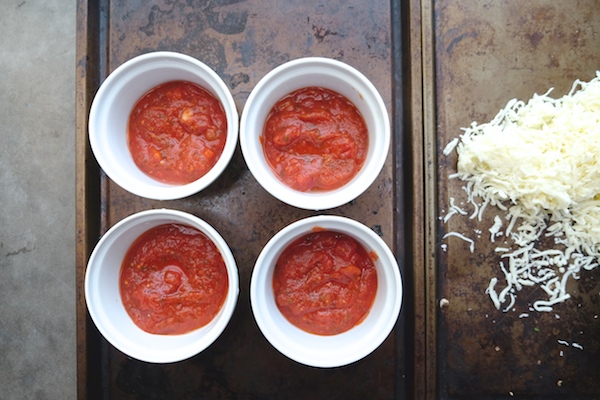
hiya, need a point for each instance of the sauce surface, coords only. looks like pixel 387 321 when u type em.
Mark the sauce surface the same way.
pixel 173 280
pixel 325 282
pixel 177 132
pixel 315 140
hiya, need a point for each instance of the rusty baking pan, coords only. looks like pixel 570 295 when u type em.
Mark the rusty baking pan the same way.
pixel 472 57
pixel 241 41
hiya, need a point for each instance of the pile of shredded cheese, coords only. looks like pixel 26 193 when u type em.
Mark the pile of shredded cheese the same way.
pixel 538 165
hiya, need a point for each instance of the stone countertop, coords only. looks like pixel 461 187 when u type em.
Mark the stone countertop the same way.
pixel 37 221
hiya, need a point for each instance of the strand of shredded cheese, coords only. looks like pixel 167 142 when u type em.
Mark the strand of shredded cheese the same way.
pixel 540 163
pixel 463 237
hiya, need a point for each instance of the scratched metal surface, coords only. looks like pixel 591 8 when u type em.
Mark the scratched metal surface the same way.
pixel 242 41
pixel 486 53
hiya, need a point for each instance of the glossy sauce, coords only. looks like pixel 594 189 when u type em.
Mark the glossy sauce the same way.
pixel 177 132
pixel 315 140
pixel 325 282
pixel 173 280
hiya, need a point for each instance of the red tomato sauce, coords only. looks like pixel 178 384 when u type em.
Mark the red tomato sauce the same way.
pixel 325 282
pixel 315 140
pixel 173 280
pixel 177 132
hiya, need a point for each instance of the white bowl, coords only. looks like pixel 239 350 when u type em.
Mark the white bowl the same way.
pixel 104 300
pixel 333 75
pixel 336 350
pixel 116 98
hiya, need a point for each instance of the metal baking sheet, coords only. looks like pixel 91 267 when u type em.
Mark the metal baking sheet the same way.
pixel 241 41
pixel 474 57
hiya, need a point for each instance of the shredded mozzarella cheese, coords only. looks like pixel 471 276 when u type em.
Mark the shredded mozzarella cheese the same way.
pixel 539 162
pixel 463 237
